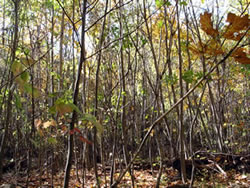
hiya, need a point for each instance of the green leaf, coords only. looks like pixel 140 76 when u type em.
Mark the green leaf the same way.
pixel 25 76
pixel 55 94
pixel 18 102
pixel 245 69
pixel 199 75
pixel 52 140
pixel 93 120
pixel 48 4
pixel 160 23
pixel 35 143
pixel 89 117
pixel 26 50
pixel 115 31
pixel 127 43
pixel 100 97
pixel 188 76
pixel 171 79
pixel 74 107
pixel 18 51
pixel 184 3
pixel 36 92
pixel 52 110
pixel 143 40
pixel 28 89
pixel 167 3
pixel 159 3
pixel 63 107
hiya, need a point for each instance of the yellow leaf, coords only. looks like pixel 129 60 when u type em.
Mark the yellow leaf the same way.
pixel 70 32
pixel 185 106
pixel 49 123
pixel 16 68
pixel 26 61
pixel 152 133
pixel 63 108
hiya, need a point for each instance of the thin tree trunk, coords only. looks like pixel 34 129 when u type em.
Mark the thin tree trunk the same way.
pixel 75 98
pixel 96 90
pixel 61 52
pixel 123 93
pixel 10 95
pixel 181 125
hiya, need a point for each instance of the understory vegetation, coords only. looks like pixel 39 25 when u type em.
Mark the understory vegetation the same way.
pixel 124 93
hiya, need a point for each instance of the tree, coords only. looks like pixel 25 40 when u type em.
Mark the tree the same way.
pixel 121 83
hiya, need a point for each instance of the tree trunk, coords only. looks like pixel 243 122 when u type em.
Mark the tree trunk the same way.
pixel 75 97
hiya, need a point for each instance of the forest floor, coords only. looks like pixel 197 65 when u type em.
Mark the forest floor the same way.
pixel 143 178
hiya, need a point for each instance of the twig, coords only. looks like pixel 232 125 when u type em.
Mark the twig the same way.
pixel 173 107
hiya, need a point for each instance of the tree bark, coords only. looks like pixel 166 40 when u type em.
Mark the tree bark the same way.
pixel 10 95
pixel 75 98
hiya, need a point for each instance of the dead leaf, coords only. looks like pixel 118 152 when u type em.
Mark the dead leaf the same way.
pixel 49 123
pixel 238 22
pixel 38 123
pixel 236 25
pixel 213 48
pixel 241 56
pixel 207 25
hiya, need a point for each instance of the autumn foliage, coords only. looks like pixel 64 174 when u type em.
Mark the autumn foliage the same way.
pixel 124 93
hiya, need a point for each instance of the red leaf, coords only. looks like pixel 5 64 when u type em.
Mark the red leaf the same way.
pixel 77 130
pixel 72 131
pixel 85 140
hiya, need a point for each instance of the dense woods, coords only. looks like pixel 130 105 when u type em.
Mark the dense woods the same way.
pixel 124 93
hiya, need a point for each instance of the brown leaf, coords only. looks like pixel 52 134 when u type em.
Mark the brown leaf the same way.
pixel 238 22
pixel 194 50
pixel 236 25
pixel 213 48
pixel 38 123
pixel 241 56
pixel 207 25
pixel 233 35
